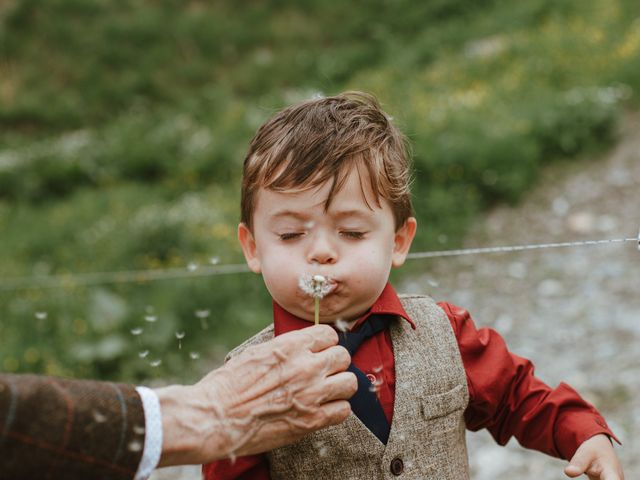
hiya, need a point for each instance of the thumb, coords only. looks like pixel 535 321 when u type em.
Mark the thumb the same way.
pixel 577 466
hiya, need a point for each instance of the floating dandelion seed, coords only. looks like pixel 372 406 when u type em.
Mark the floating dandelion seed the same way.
pixel 143 354
pixel 203 315
pixel 192 266
pixel 134 446
pixel 322 449
pixel 194 355
pixel 150 318
pixel 375 385
pixel 317 286
pixel 155 363
pixel 138 430
pixel 180 336
pixel 214 260
pixel 41 315
pixel 377 369
pixel 342 325
pixel 136 331
pixel 99 417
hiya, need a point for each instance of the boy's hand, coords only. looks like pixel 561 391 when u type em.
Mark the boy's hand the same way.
pixel 595 458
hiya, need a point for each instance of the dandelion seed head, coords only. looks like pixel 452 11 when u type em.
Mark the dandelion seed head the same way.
pixel 194 355
pixel 136 331
pixel 180 335
pixel 143 353
pixel 150 318
pixel 41 315
pixel 316 286
pixel 155 363
pixel 203 313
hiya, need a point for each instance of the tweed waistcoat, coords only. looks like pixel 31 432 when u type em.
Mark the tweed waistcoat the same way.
pixel 427 438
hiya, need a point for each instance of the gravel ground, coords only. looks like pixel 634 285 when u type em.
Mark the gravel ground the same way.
pixel 574 312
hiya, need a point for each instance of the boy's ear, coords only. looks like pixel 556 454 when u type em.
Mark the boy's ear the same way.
pixel 248 243
pixel 402 241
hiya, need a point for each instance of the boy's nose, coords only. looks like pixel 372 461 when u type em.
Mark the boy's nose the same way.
pixel 321 251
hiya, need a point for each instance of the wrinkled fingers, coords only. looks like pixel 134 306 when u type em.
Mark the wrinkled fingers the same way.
pixel 340 386
pixel 333 360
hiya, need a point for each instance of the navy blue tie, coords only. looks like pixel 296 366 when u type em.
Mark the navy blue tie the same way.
pixel 365 404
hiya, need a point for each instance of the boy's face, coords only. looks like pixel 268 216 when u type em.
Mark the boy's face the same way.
pixel 350 244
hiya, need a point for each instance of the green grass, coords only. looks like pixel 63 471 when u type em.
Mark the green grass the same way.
pixel 123 126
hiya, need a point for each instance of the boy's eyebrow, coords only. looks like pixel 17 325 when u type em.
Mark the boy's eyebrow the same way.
pixel 351 213
pixel 289 213
pixel 336 214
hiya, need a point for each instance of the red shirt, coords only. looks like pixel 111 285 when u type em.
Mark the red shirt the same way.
pixel 504 395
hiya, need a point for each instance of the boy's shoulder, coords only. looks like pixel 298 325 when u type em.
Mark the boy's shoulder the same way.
pixel 262 336
pixel 418 305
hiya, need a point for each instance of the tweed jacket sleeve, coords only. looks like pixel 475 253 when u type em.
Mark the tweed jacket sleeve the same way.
pixel 73 429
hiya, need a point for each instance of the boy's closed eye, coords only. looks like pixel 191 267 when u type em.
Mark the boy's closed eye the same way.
pixel 290 235
pixel 351 234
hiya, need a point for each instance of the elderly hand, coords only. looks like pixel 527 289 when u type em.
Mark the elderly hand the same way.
pixel 269 396
pixel 595 458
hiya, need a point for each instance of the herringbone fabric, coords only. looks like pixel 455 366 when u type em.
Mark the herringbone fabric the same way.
pixel 427 436
pixel 54 428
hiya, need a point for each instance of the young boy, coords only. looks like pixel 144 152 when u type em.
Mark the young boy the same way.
pixel 325 192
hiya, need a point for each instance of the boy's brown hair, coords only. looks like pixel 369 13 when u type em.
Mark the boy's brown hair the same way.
pixel 307 144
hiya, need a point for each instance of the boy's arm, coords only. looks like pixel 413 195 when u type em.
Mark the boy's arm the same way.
pixel 508 400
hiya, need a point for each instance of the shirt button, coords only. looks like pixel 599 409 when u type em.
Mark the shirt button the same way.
pixel 397 466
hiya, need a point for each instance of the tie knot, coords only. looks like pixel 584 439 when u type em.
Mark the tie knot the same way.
pixel 352 340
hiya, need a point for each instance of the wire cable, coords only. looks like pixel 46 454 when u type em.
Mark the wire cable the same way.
pixel 71 280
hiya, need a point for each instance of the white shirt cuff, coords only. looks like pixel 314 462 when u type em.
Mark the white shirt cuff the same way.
pixel 153 433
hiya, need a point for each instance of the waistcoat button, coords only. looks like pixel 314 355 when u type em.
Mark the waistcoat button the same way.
pixel 397 466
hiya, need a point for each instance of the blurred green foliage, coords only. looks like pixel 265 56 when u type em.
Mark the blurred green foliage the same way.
pixel 123 126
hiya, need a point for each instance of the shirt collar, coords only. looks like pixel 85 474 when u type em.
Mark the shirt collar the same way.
pixel 387 303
